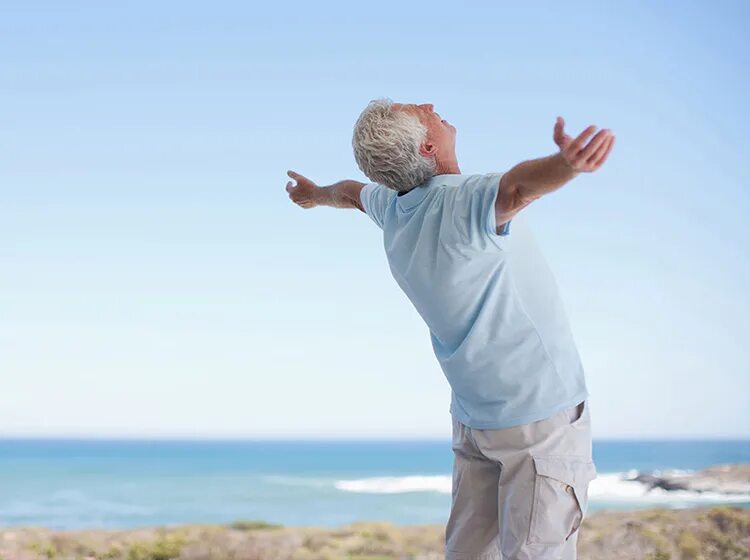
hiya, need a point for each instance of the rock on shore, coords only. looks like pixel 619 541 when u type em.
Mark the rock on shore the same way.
pixel 723 479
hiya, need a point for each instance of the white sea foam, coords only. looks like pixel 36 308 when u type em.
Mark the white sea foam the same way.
pixel 397 484
pixel 615 487
pixel 298 481
pixel 609 487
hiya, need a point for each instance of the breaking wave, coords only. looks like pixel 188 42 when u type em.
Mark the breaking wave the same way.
pixel 609 487
pixel 397 484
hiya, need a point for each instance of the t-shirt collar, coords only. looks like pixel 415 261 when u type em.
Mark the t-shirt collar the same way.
pixel 416 195
pixel 413 197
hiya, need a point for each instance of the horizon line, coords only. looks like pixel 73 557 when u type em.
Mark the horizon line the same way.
pixel 208 438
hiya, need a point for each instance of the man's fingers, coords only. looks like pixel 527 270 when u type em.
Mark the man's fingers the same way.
pixel 559 125
pixel 289 187
pixel 578 143
pixel 296 176
pixel 558 134
pixel 302 181
pixel 599 151
pixel 608 150
pixel 592 149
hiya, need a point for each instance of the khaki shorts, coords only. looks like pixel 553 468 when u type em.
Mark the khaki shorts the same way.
pixel 520 493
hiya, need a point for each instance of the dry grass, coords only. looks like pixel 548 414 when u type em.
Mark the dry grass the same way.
pixel 697 534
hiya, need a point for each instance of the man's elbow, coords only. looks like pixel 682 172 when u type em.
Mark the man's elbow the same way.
pixel 511 199
pixel 508 189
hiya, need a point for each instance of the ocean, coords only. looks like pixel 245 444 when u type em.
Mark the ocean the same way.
pixel 69 484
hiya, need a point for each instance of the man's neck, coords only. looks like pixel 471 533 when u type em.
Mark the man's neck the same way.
pixel 441 168
pixel 449 167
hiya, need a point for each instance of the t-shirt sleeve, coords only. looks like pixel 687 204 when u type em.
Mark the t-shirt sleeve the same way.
pixel 492 188
pixel 375 199
pixel 478 196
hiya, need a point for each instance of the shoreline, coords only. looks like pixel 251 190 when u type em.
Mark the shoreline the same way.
pixel 657 533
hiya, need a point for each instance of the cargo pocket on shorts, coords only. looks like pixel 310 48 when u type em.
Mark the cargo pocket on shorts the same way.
pixel 560 498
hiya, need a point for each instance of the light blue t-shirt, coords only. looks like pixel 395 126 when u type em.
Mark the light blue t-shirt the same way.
pixel 497 324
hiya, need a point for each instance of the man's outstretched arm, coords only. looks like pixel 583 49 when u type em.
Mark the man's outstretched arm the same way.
pixel 530 180
pixel 344 194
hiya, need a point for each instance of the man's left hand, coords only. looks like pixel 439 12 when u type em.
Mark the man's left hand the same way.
pixel 582 158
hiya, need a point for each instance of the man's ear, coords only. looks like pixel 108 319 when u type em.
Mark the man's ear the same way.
pixel 427 149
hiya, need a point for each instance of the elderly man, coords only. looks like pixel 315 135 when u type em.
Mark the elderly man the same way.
pixel 521 443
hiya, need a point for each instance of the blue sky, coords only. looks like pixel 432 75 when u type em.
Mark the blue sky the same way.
pixel 156 280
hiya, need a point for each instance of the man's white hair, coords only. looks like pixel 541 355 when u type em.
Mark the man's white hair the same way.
pixel 386 146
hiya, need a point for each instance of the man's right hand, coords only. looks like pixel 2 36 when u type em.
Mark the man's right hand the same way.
pixel 584 158
pixel 304 193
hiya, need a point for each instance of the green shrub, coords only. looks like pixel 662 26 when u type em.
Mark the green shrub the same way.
pixel 689 545
pixel 659 555
pixel 254 525
pixel 47 550
pixel 728 518
pixel 112 554
pixel 164 548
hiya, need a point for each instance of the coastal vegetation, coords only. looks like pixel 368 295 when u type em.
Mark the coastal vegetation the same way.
pixel 721 533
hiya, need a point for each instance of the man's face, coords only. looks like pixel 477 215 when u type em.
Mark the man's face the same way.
pixel 440 133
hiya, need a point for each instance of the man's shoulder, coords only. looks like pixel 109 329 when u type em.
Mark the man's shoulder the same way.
pixel 467 186
pixel 466 179
pixel 455 178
